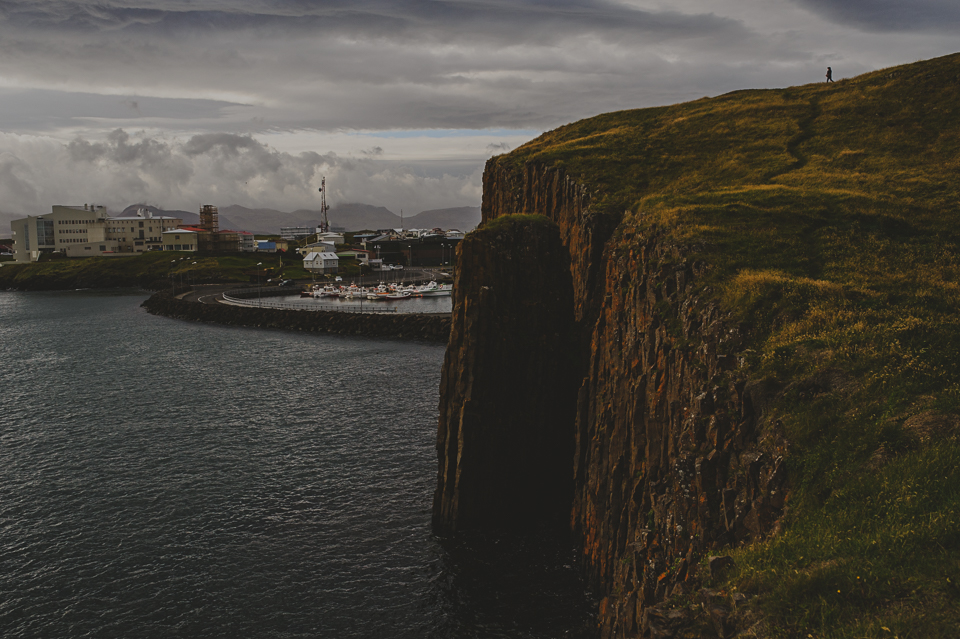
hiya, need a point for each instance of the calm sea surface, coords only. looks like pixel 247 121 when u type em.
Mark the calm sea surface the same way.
pixel 413 305
pixel 168 479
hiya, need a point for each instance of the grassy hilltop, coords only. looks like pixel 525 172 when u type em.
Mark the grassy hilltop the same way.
pixel 830 217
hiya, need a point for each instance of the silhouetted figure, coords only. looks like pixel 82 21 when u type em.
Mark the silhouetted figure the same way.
pixel 829 74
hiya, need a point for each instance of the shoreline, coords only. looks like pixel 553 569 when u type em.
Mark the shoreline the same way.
pixel 432 327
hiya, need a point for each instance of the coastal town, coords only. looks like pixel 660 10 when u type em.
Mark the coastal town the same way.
pixel 88 230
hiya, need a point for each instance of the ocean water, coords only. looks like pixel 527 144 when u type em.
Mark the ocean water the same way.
pixel 438 304
pixel 161 478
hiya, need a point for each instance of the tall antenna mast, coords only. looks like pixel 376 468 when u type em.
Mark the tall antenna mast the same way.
pixel 325 224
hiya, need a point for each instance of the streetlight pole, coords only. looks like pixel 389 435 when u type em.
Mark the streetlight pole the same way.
pixel 258 284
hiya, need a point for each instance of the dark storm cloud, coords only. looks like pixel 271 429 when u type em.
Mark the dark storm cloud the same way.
pixel 41 109
pixel 517 21
pixel 224 143
pixel 373 64
pixel 174 100
pixel 890 15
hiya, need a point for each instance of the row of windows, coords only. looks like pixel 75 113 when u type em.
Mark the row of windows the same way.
pixel 78 240
pixel 64 231
pixel 75 221
pixel 179 247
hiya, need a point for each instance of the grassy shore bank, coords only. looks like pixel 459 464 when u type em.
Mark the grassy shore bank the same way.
pixel 154 270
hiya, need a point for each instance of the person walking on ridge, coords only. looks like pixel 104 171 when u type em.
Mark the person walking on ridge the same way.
pixel 829 74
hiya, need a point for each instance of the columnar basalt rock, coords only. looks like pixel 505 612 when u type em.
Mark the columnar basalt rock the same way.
pixel 550 192
pixel 674 456
pixel 508 386
pixel 671 459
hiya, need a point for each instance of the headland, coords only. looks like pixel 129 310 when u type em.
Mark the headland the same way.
pixel 739 387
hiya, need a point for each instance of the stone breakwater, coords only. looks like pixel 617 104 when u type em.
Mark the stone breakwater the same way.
pixel 673 455
pixel 434 328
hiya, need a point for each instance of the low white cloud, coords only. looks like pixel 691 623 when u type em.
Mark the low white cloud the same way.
pixel 223 169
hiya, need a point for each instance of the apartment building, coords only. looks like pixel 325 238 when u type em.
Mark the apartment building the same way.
pixel 85 231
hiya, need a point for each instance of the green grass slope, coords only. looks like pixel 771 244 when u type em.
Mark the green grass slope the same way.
pixel 152 270
pixel 830 216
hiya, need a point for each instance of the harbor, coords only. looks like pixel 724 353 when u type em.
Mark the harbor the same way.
pixel 431 297
pixel 356 303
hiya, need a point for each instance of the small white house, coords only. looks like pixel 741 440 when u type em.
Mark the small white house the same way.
pixel 321 263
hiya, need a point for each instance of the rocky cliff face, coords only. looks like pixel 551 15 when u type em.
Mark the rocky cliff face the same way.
pixel 672 455
pixel 505 445
pixel 552 193
pixel 673 459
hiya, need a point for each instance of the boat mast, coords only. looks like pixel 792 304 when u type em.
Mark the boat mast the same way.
pixel 325 224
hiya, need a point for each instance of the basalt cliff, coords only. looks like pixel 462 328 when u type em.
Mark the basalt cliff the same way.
pixel 705 337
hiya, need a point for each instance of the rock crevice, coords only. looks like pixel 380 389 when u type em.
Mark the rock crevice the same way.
pixel 504 445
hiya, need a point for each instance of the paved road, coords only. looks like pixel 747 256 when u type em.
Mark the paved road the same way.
pixel 207 293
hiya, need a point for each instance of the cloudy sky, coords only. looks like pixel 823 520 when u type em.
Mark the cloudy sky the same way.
pixel 397 102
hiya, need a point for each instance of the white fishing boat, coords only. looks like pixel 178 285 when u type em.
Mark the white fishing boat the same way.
pixel 327 291
pixel 351 292
pixel 381 292
pixel 432 289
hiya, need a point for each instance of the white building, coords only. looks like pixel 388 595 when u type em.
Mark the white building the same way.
pixel 85 231
pixel 329 236
pixel 248 244
pixel 321 263
pixel 180 240
pixel 295 232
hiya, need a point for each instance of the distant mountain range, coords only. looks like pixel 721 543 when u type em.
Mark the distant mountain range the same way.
pixel 352 217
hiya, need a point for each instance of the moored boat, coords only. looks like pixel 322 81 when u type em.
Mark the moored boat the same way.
pixel 432 289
